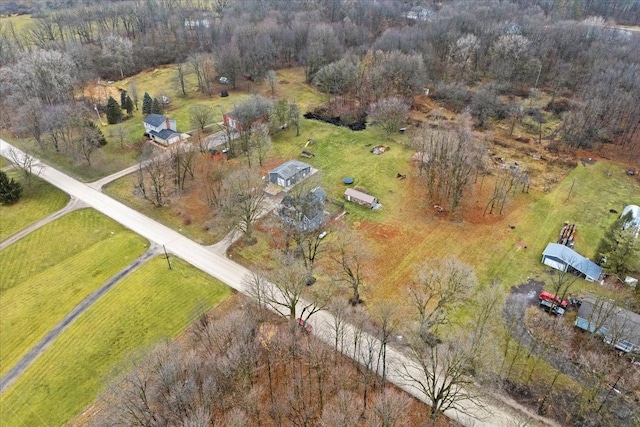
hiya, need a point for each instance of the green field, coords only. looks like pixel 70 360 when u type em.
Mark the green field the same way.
pixel 20 24
pixel 151 304
pixel 48 272
pixel 38 200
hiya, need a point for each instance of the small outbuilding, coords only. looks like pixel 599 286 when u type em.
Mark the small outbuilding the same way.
pixel 360 198
pixel 289 173
pixel 564 258
pixel 619 328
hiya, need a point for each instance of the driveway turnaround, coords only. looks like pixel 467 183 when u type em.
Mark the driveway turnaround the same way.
pixel 485 412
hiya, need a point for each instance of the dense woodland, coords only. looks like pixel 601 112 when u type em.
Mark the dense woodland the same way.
pixel 481 59
pixel 472 53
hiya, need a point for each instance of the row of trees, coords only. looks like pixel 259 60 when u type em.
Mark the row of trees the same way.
pixel 516 45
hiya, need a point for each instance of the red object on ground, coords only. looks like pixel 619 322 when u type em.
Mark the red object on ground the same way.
pixel 546 296
pixel 304 325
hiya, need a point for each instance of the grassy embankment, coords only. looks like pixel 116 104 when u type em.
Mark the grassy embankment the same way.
pixel 37 201
pixel 51 270
pixel 151 304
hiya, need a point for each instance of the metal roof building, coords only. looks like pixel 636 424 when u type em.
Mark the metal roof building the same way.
pixel 289 173
pixel 618 327
pixel 563 258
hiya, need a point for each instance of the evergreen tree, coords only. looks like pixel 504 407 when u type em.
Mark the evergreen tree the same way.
pixel 128 105
pixel 10 189
pixel 123 99
pixel 619 249
pixel 146 104
pixel 102 141
pixel 113 111
pixel 156 107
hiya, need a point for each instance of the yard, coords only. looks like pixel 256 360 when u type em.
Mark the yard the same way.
pixel 150 305
pixel 37 201
pixel 37 289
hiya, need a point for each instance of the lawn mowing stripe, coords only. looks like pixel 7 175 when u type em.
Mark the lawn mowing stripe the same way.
pixel 19 368
pixel 149 305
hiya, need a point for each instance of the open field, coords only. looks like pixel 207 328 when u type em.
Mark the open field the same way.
pixel 47 273
pixel 38 200
pixel 151 304
pixel 20 24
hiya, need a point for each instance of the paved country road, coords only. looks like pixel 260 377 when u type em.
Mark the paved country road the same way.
pixel 488 412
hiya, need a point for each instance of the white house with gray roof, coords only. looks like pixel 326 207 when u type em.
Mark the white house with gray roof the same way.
pixel 161 129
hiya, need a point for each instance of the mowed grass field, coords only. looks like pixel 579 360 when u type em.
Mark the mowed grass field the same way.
pixel 48 272
pixel 38 200
pixel 151 304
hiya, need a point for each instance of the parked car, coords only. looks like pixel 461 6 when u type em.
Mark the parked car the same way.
pixel 304 324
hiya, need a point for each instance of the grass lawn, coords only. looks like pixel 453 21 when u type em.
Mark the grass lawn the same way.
pixel 38 201
pixel 47 273
pixel 20 24
pixel 151 304
pixel 122 190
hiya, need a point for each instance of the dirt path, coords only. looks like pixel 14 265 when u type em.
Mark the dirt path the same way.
pixel 19 368
pixel 71 206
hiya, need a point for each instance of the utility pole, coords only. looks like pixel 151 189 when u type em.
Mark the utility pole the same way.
pixel 166 255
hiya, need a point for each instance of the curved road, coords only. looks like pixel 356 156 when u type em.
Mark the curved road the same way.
pixel 487 413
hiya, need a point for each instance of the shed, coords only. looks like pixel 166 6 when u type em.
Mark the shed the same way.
pixel 289 173
pixel 564 258
pixel 360 198
pixel 619 328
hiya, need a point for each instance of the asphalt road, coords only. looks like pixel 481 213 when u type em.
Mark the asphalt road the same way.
pixel 487 413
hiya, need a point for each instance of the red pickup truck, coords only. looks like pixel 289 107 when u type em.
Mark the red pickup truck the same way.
pixel 552 303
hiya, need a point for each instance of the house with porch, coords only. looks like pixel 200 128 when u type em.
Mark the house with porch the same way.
pixel 161 129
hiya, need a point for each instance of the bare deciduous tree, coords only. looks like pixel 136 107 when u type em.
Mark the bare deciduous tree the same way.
pixel 244 200
pixel 26 164
pixel 439 286
pixel 438 372
pixel 390 113
pixel 350 256
pixel 200 116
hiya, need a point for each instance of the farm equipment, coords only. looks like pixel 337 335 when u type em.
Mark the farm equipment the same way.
pixel 553 304
pixel 567 235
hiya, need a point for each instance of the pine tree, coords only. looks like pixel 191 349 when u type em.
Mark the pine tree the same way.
pixel 156 107
pixel 123 99
pixel 128 105
pixel 146 104
pixel 101 139
pixel 10 189
pixel 113 110
pixel 619 249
